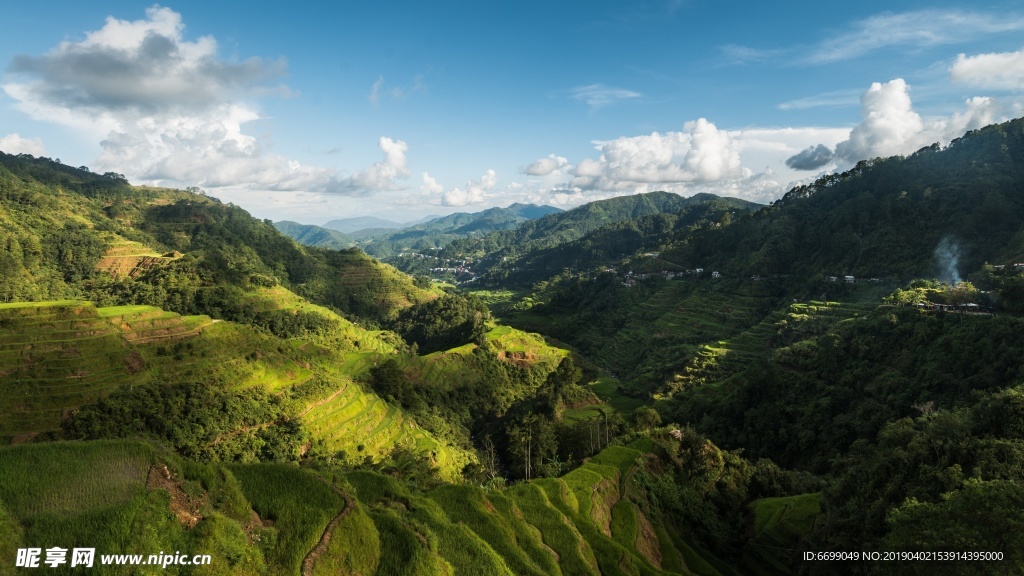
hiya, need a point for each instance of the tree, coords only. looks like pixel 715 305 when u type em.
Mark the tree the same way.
pixel 646 418
pixel 962 293
pixel 490 459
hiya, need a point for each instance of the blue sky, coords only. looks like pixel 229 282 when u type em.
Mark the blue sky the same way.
pixel 400 109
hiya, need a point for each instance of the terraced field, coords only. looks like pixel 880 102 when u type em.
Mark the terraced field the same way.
pixel 377 285
pixel 582 523
pixel 129 259
pixel 285 519
pixel 781 526
pixel 362 424
pixel 56 356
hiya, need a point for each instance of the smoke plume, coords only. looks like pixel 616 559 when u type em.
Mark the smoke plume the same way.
pixel 947 256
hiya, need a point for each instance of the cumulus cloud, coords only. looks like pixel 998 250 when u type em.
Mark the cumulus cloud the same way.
pixel 598 96
pixel 473 193
pixel 998 70
pixel 15 144
pixel 810 158
pixel 701 153
pixel 890 126
pixel 546 166
pixel 430 186
pixel 382 175
pixel 144 65
pixel 167 110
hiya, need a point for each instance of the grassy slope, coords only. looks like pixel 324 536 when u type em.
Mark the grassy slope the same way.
pixel 587 522
pixel 77 353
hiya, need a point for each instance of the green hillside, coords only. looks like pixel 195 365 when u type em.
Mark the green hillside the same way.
pixel 282 519
pixel 309 235
pixel 674 386
pixel 555 229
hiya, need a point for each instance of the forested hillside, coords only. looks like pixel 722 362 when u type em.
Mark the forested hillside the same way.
pixel 665 385
pixel 309 235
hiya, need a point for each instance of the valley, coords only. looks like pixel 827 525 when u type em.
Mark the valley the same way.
pixel 646 384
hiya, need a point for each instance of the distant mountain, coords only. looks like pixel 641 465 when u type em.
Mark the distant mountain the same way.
pixel 357 223
pixel 559 228
pixel 314 235
pixel 486 220
pixel 441 231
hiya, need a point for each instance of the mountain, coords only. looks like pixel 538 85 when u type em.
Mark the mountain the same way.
pixel 439 232
pixel 463 223
pixel 813 311
pixel 596 234
pixel 310 235
pixel 223 387
pixel 566 226
pixel 357 223
pixel 293 410
pixel 936 213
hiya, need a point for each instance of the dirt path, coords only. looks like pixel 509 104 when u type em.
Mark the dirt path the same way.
pixel 310 560
pixel 222 437
pixel 322 402
pixel 159 337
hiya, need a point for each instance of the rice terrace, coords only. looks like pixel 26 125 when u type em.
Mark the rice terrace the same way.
pixel 396 289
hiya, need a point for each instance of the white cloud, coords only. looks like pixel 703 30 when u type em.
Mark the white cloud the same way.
pixel 828 99
pixel 738 54
pixel 914 28
pixel 430 186
pixel 546 166
pixel 473 193
pixel 890 126
pixel 15 144
pixel 375 91
pixel 700 154
pixel 598 96
pixel 145 66
pixel 382 175
pixel 998 70
pixel 166 110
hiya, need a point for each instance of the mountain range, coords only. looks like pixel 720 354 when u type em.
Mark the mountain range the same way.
pixel 648 384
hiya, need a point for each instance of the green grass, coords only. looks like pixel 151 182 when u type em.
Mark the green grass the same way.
pixel 402 552
pixel 354 548
pixel 85 494
pixel 44 304
pixel 464 550
pixel 780 525
pixel 298 502
pixel 620 457
pixel 69 477
pixel 109 311
pixel 624 523
pixel 607 389
pixel 521 550
pixel 787 518
pixel 560 534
